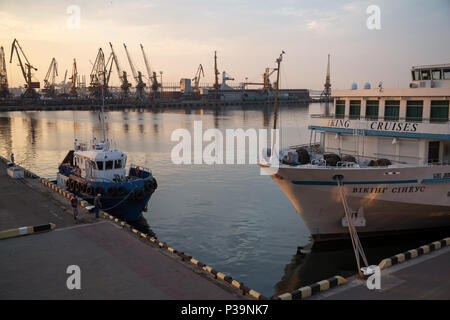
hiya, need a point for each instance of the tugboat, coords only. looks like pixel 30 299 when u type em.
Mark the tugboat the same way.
pixel 96 168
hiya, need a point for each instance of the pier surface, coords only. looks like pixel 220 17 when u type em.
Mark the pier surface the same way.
pixel 114 263
pixel 424 278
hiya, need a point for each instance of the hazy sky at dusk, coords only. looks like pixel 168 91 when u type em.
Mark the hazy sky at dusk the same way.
pixel 248 35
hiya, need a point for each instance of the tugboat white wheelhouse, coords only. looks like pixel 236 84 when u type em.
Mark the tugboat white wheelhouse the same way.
pixel 95 168
pixel 390 148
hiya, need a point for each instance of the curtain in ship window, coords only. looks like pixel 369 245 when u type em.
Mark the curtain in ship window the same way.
pixel 355 109
pixel 372 107
pixel 439 111
pixel 348 144
pixel 392 110
pixel 340 108
pixel 414 110
pixel 409 151
pixel 386 149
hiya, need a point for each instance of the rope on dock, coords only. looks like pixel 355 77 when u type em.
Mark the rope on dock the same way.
pixel 356 243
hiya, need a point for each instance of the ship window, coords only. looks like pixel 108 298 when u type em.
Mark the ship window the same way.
pixel 416 75
pixel 100 165
pixel 426 75
pixel 391 111
pixel 118 164
pixel 414 110
pixel 355 109
pixel 372 107
pixel 436 74
pixel 340 108
pixel 446 74
pixel 108 165
pixel 439 111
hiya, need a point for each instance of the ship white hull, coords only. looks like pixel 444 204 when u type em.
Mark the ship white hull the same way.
pixel 388 200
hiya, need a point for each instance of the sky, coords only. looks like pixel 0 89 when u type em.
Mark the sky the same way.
pixel 247 34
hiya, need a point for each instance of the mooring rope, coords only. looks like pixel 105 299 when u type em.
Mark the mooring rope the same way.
pixel 357 247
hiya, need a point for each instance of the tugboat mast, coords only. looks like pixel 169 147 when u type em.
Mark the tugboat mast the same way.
pixel 103 116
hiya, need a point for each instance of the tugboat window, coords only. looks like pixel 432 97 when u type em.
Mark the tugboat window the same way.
pixel 436 74
pixel 108 165
pixel 118 164
pixel 100 165
pixel 446 74
pixel 426 75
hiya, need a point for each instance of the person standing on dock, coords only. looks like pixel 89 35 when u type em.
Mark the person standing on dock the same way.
pixel 12 159
pixel 97 204
pixel 74 203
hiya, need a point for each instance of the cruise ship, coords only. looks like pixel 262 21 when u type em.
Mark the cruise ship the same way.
pixel 384 154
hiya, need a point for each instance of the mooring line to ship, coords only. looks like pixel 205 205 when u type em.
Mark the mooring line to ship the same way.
pixel 356 243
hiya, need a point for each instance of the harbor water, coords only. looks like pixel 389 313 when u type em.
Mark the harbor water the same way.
pixel 227 216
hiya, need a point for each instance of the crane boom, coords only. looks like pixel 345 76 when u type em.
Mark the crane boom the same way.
pixel 147 65
pixel 140 85
pixel 198 76
pixel 133 70
pixel 49 80
pixel 26 68
pixel 124 84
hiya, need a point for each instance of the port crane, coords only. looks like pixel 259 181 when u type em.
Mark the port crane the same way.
pixel 49 80
pixel 26 67
pixel 100 75
pixel 216 72
pixel 326 93
pixel 73 80
pixel 267 85
pixel 123 77
pixel 151 75
pixel 140 85
pixel 197 78
pixel 4 91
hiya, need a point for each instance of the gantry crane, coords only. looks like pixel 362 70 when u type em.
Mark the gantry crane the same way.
pixel 100 75
pixel 26 68
pixel 124 84
pixel 151 75
pixel 197 78
pixel 4 91
pixel 140 85
pixel 74 80
pixel 49 80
